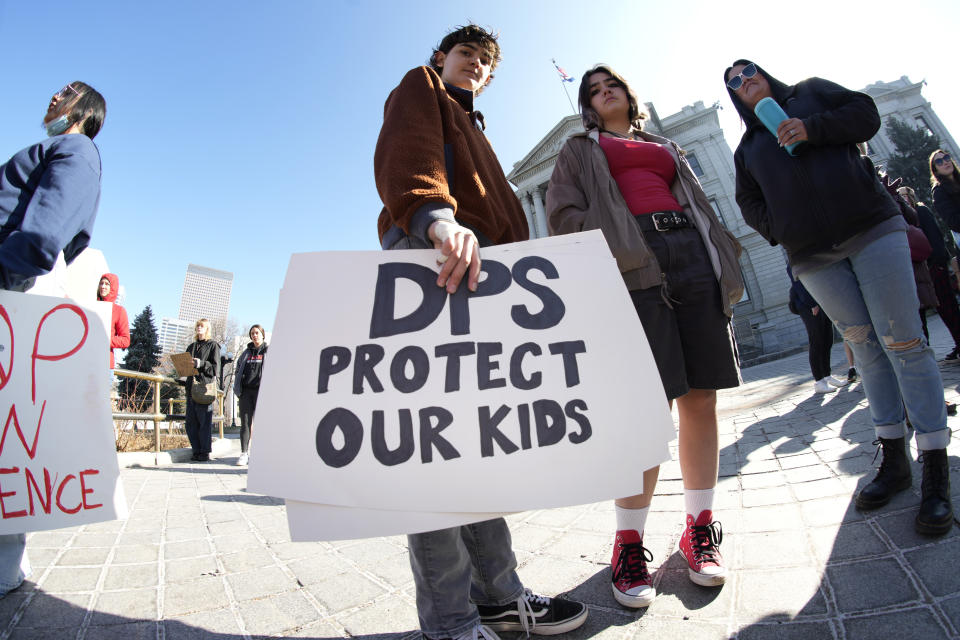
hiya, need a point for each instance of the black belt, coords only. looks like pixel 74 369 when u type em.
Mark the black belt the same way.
pixel 664 221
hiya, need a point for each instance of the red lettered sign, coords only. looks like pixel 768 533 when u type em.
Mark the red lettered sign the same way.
pixel 58 462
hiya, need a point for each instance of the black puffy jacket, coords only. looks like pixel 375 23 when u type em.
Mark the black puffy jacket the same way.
pixel 824 195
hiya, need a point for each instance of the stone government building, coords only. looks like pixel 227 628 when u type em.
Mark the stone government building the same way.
pixel 764 327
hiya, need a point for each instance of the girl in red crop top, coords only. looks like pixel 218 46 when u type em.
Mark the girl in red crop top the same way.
pixel 644 172
pixel 675 289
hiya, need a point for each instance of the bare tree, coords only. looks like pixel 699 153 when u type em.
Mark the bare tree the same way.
pixel 223 330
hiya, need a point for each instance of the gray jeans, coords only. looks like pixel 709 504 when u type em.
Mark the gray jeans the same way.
pixel 455 569
pixel 14 564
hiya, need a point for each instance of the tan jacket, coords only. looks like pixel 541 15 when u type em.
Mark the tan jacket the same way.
pixel 583 195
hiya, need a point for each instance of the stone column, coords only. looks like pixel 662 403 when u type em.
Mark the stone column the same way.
pixel 527 211
pixel 540 216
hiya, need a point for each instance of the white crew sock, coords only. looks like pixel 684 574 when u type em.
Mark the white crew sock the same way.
pixel 698 501
pixel 635 519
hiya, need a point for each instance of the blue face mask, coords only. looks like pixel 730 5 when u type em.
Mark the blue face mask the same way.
pixel 57 126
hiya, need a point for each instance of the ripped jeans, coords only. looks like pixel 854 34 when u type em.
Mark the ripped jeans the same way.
pixel 872 293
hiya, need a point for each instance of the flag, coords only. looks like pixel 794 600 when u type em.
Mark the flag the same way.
pixel 564 76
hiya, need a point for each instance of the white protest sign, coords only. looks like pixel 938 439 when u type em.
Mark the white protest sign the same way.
pixel 382 391
pixel 58 460
pixel 309 521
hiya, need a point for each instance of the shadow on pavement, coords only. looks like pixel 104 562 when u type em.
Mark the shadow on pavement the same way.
pixel 879 578
pixel 29 613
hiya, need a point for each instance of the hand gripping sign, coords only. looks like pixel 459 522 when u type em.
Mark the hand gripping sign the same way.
pixel 384 393
pixel 58 460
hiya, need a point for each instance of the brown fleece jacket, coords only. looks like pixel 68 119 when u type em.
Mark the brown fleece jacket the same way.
pixel 430 151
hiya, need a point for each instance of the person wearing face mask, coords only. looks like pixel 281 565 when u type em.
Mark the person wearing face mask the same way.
pixel 847 243
pixel 48 200
pixel 246 386
pixel 107 291
pixel 49 191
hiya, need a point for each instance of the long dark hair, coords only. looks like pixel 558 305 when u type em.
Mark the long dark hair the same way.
pixel 951 182
pixel 263 332
pixel 90 105
pixel 591 119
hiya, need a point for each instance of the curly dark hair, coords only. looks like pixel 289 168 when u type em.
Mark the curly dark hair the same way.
pixel 591 119
pixel 472 33
pixel 469 33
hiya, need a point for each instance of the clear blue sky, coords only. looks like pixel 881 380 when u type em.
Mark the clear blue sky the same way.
pixel 240 132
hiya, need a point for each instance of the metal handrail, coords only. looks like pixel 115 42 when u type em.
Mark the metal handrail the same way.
pixel 143 375
pixel 156 416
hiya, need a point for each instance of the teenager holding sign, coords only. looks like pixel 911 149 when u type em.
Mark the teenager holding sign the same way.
pixel 442 187
pixel 49 194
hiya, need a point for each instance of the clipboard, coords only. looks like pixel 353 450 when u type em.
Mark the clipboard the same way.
pixel 183 363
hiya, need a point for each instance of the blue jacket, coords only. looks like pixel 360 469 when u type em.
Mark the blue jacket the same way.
pixel 49 193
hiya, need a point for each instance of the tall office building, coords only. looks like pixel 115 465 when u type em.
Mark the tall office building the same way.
pixel 175 335
pixel 206 294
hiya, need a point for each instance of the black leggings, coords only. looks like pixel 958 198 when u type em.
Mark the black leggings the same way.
pixel 248 405
pixel 820 336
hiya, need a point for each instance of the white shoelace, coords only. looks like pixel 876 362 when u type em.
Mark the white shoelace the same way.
pixel 527 617
pixel 480 632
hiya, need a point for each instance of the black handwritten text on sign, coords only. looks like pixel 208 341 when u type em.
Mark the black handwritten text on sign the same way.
pixel 409 370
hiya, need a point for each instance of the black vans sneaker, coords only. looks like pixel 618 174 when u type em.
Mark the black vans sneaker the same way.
pixel 535 614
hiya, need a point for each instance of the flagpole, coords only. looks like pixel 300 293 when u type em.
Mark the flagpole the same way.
pixel 565 92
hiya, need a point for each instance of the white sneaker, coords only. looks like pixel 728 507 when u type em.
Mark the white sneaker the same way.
pixel 822 386
pixel 243 459
pixel 833 382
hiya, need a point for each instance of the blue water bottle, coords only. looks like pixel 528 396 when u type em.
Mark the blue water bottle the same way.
pixel 771 115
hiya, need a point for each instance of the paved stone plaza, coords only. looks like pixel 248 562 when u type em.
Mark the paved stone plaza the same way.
pixel 201 558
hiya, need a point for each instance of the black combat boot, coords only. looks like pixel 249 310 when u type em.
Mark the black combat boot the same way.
pixel 893 476
pixel 936 513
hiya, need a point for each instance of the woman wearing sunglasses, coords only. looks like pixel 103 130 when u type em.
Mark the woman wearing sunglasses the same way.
pixel 49 191
pixel 945 197
pixel 945 183
pixel 48 200
pixel 681 268
pixel 846 241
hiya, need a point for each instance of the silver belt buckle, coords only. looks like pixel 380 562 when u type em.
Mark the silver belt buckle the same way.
pixel 657 218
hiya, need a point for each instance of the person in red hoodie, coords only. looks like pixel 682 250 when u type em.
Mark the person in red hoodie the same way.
pixel 107 291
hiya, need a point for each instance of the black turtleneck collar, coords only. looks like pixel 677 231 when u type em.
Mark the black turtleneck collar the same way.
pixel 464 98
